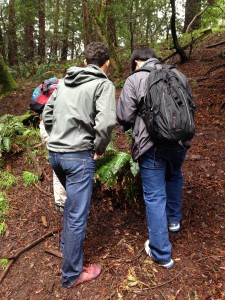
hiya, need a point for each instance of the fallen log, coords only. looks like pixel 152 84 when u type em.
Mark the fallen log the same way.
pixel 214 68
pixel 215 45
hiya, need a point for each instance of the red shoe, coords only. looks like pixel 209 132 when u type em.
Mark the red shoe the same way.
pixel 88 274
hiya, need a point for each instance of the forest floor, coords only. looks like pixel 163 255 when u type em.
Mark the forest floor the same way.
pixel 116 232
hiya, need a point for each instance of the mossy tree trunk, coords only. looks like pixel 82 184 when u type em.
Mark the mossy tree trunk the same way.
pixel 7 83
pixel 99 17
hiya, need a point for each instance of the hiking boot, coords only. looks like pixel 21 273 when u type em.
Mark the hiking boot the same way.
pixel 174 226
pixel 88 274
pixel 165 265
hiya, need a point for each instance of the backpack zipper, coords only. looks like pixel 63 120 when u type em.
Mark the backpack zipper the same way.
pixel 187 108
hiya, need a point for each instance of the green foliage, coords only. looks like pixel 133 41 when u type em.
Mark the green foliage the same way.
pixel 7 180
pixel 10 126
pixel 30 178
pixel 3 263
pixel 119 83
pixel 128 136
pixel 113 164
pixel 4 206
pixel 3 227
pixel 47 70
pixel 7 83
pixel 13 132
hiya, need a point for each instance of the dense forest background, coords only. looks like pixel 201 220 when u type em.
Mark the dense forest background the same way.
pixel 42 38
pixel 36 35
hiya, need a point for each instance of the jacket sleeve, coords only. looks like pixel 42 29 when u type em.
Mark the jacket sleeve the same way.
pixel 126 110
pixel 47 114
pixel 105 118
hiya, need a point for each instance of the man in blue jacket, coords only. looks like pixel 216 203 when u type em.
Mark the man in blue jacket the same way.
pixel 79 118
pixel 160 165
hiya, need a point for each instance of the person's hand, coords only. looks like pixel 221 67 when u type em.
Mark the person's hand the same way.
pixel 96 156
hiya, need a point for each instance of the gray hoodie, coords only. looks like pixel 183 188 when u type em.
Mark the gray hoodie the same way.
pixel 80 114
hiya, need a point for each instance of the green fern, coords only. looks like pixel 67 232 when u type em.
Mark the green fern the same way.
pixel 10 127
pixel 7 180
pixel 30 178
pixel 3 263
pixel 114 163
pixel 107 173
pixel 14 132
pixel 3 227
pixel 4 206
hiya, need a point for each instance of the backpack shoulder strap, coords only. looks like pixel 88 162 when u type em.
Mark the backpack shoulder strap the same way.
pixel 146 69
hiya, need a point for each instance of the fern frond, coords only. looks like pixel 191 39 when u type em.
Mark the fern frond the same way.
pixel 107 172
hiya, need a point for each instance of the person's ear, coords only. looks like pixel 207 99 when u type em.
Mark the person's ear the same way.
pixel 85 63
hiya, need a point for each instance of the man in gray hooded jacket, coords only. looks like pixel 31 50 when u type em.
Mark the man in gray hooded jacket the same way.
pixel 79 118
pixel 160 165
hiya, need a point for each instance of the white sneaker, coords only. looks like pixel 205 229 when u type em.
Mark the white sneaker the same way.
pixel 174 227
pixel 165 265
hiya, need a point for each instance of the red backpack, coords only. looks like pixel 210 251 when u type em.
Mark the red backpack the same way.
pixel 42 93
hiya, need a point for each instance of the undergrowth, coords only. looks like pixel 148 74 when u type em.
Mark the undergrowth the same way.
pixel 7 180
pixel 4 206
pixel 30 178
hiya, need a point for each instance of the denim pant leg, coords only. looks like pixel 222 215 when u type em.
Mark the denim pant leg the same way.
pixel 174 182
pixel 79 168
pixel 152 169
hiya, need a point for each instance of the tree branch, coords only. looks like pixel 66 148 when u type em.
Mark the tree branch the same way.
pixel 28 247
pixel 195 17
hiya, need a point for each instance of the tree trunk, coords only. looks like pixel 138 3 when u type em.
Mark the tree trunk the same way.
pixel 41 37
pixel 131 27
pixel 111 25
pixel 2 44
pixel 29 41
pixel 99 19
pixel 192 8
pixel 56 30
pixel 12 39
pixel 29 23
pixel 89 35
pixel 179 50
pixel 65 45
pixel 7 84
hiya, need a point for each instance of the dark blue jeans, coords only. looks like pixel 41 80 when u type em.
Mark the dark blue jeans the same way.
pixel 162 181
pixel 76 173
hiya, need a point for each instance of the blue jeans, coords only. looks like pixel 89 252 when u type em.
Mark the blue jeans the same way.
pixel 76 173
pixel 162 181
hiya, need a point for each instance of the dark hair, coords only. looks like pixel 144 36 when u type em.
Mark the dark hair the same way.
pixel 143 53
pixel 96 54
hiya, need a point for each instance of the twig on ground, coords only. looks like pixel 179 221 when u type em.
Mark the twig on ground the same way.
pixel 28 247
pixel 162 284
pixel 139 254
pixel 54 252
pixel 43 191
pixel 214 68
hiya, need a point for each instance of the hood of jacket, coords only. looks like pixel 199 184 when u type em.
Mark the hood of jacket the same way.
pixel 77 75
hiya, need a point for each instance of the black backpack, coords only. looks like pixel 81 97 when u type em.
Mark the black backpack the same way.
pixel 168 108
